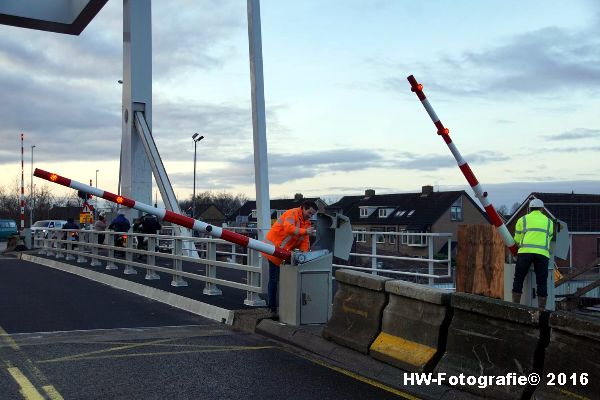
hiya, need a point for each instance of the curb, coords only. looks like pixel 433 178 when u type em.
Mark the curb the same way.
pixel 193 306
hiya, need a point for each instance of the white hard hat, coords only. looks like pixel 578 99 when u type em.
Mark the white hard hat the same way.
pixel 536 203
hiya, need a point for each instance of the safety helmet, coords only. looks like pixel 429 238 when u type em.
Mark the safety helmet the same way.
pixel 536 203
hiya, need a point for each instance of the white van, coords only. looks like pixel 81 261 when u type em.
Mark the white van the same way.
pixel 46 224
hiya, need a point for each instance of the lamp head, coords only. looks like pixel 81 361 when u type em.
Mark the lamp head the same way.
pixel 196 137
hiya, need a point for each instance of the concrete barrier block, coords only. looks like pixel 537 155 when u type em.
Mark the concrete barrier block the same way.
pixel 357 310
pixel 414 326
pixel 494 338
pixel 572 359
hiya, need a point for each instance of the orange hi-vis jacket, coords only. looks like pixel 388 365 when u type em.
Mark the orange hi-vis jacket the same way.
pixel 289 232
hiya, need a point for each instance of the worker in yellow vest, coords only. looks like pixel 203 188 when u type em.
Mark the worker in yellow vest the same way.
pixel 533 233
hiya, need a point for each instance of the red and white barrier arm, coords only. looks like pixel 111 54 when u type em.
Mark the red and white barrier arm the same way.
pixel 464 167
pixel 170 216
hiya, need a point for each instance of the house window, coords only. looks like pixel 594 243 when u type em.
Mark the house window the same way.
pixel 359 235
pixel 456 210
pixel 382 212
pixel 411 212
pixel 253 214
pixel 391 238
pixel 403 238
pixel 364 212
pixel 417 240
pixel 379 237
pixel 400 213
pixel 279 213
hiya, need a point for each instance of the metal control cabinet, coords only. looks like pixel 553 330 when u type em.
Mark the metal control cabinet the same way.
pixel 305 289
pixel 305 292
pixel 559 248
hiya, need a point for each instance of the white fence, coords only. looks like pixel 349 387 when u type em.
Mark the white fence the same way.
pixel 60 243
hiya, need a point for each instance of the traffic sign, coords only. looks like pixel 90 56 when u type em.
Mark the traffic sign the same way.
pixel 86 218
pixel 87 208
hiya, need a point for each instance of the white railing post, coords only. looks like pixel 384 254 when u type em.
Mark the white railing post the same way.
pixel 95 262
pixel 129 270
pixel 177 263
pixel 111 251
pixel 151 259
pixel 233 255
pixel 253 279
pixel 430 263
pixel 211 271
pixel 41 243
pixel 83 238
pixel 374 253
pixel 69 245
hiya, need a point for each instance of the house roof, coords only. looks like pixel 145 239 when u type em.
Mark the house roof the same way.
pixel 414 210
pixel 581 212
pixel 278 204
pixel 345 203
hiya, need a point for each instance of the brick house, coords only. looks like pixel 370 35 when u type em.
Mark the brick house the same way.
pixel 424 212
pixel 246 215
pixel 581 212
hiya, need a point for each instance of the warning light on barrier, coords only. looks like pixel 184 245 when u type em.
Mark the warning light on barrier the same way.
pixel 119 200
pixel 53 177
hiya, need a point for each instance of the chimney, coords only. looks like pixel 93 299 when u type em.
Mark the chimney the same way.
pixel 369 192
pixel 298 197
pixel 426 190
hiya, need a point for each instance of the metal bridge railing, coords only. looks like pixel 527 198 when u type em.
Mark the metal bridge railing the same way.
pixel 61 243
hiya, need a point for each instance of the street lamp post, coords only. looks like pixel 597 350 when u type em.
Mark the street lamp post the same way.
pixel 196 138
pixel 31 191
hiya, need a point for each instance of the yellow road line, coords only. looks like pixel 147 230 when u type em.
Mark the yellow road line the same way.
pixel 165 353
pixel 8 339
pixel 52 392
pixel 358 377
pixel 28 391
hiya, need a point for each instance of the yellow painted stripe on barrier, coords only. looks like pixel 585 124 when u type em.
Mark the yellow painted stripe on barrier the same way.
pixel 52 392
pixel 571 395
pixel 28 391
pixel 404 350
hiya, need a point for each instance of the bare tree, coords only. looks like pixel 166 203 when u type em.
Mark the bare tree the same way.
pixel 226 202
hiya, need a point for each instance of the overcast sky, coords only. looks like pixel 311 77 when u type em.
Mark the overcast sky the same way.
pixel 517 83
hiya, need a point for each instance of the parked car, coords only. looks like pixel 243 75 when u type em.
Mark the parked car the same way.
pixel 8 227
pixel 46 224
pixel 166 245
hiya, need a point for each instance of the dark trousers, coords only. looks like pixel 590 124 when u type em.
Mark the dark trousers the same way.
pixel 273 284
pixel 540 266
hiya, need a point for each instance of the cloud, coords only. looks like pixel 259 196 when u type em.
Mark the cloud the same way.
pixel 432 162
pixel 580 133
pixel 543 61
pixel 284 167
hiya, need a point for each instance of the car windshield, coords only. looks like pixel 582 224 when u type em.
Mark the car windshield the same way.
pixel 41 224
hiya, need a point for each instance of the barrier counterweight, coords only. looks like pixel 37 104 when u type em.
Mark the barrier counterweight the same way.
pixel 464 167
pixel 170 216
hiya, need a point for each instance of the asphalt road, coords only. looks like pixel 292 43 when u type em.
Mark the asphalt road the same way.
pixel 62 336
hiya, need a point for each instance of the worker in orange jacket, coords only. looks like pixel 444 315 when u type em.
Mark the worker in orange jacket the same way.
pixel 291 231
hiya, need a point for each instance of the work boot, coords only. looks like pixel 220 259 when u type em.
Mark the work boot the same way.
pixel 542 302
pixel 516 297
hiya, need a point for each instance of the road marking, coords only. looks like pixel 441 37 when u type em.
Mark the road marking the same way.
pixel 165 353
pixel 27 389
pixel 356 376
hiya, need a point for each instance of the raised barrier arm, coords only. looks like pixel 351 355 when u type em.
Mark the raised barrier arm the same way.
pixel 170 216
pixel 464 167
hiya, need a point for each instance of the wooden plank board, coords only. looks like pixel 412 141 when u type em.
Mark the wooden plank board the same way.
pixel 480 261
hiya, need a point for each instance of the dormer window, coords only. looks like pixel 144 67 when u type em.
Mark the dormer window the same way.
pixel 364 212
pixel 383 213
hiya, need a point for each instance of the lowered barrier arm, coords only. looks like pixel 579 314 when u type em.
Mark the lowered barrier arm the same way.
pixel 170 216
pixel 464 167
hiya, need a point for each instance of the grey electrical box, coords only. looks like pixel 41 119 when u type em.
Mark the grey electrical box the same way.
pixel 305 289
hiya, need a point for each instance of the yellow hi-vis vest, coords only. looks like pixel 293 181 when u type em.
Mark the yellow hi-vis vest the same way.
pixel 533 233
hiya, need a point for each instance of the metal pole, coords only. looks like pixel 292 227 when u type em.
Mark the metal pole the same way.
pixel 96 199
pixel 22 198
pixel 194 189
pixel 464 167
pixel 31 191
